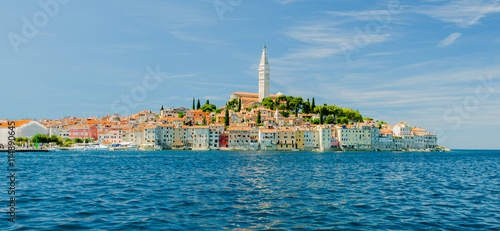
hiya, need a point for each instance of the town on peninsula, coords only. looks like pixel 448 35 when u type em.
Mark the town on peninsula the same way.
pixel 248 121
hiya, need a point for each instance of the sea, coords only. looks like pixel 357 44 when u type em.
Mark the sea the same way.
pixel 239 190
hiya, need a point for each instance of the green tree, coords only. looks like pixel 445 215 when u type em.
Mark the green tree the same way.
pixel 41 139
pixel 282 107
pixel 193 104
pixel 208 102
pixel 78 141
pixel 281 100
pixel 316 121
pixel 218 111
pixel 268 103
pixel 181 114
pixel 226 117
pixel 306 107
pixel 297 104
pixel 232 104
pixel 329 120
pixel 321 113
pixel 289 100
pixel 53 138
pixel 161 108
pixel 198 106
pixel 344 120
pixel 209 108
pixel 258 117
pixel 313 105
pixel 239 104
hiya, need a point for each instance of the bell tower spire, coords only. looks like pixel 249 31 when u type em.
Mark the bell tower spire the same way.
pixel 264 75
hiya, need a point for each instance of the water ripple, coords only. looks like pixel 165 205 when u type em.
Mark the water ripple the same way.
pixel 179 190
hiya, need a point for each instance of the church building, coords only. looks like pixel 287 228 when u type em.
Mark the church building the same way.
pixel 249 99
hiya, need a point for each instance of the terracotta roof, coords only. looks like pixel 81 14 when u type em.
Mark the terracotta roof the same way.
pixel 267 131
pixel 18 123
pixel 199 127
pixel 238 129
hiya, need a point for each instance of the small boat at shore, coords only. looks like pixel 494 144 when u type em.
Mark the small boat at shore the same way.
pixel 53 149
pixel 98 146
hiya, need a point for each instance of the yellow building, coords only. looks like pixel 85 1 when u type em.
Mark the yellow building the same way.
pixel 299 139
pixel 285 139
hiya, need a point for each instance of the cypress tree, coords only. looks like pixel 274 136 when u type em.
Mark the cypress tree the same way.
pixel 258 117
pixel 208 102
pixel 193 103
pixel 226 117
pixel 313 105
pixel 161 108
pixel 239 104
pixel 320 115
pixel 198 106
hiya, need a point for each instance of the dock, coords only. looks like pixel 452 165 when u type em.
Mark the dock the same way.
pixel 26 150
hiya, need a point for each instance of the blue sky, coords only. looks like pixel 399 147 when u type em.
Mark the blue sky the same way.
pixel 431 63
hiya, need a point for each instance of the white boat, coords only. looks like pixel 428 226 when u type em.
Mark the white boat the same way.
pixel 132 147
pixel 78 148
pixel 54 149
pixel 126 146
pixel 97 147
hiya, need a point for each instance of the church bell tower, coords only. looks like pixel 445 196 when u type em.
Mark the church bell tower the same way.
pixel 264 76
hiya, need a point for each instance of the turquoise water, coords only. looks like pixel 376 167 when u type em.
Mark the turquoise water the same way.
pixel 189 190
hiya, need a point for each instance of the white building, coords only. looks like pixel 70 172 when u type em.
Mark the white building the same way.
pixel 164 136
pixel 324 133
pixel 214 136
pixel 311 139
pixel 267 139
pixel 112 137
pixel 23 128
pixel 351 137
pixel 402 129
pixel 201 137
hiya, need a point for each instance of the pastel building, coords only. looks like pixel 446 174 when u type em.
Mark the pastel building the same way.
pixel 164 136
pixel 239 138
pixel 267 139
pixel 285 139
pixel 83 131
pixel 201 137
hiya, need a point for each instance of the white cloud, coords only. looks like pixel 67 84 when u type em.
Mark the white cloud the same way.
pixel 463 13
pixel 449 40
pixel 326 38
